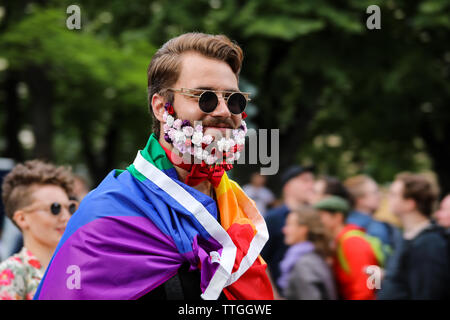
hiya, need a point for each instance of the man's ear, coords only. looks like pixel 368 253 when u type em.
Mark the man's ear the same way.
pixel 20 219
pixel 158 103
pixel 411 204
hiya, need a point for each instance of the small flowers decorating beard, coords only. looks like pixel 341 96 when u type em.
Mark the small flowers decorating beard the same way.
pixel 169 120
pixel 207 139
pixel 197 138
pixel 188 139
pixel 188 131
pixel 177 124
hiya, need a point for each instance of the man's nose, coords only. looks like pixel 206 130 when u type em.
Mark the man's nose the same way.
pixel 222 108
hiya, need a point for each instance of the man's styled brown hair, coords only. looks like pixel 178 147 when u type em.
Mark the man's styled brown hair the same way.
pixel 19 184
pixel 165 67
pixel 421 190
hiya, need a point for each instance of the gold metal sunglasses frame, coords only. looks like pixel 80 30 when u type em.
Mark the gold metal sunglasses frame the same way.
pixel 189 92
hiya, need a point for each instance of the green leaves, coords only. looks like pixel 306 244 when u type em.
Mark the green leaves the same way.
pixel 285 28
pixel 318 70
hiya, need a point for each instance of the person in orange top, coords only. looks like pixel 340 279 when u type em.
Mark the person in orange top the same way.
pixel 353 252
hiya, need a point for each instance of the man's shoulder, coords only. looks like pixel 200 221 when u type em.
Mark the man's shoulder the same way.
pixel 383 230
pixel 311 259
pixel 355 239
pixel 433 238
pixel 115 183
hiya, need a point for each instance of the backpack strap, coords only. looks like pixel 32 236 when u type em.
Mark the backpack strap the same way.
pixel 374 243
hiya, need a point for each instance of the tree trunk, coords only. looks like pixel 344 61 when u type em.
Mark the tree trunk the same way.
pixel 12 118
pixel 439 152
pixel 41 111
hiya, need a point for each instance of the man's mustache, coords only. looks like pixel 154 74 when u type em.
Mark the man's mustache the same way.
pixel 219 122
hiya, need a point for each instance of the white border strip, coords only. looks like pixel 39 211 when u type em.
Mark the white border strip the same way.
pixel 223 273
pixel 256 245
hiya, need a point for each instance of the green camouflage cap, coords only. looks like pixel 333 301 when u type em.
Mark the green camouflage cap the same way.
pixel 333 204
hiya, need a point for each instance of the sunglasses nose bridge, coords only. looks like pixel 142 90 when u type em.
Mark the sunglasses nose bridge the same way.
pixel 222 106
pixel 64 214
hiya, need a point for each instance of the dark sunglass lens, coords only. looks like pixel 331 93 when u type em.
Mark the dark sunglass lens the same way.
pixel 208 101
pixel 72 208
pixel 237 103
pixel 55 208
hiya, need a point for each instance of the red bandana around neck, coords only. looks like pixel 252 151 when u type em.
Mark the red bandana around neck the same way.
pixel 199 172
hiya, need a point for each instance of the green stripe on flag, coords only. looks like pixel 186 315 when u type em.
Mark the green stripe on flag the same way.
pixel 153 153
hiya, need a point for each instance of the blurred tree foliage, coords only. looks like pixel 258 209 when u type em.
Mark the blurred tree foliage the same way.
pixel 344 97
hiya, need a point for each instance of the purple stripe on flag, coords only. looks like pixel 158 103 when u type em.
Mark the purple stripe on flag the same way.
pixel 112 258
pixel 209 262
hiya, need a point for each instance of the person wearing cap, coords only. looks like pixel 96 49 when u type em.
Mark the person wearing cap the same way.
pixel 352 251
pixel 298 189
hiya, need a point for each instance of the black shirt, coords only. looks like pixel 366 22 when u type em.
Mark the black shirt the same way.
pixel 419 268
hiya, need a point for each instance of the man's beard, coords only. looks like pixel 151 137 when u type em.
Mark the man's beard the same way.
pixel 195 147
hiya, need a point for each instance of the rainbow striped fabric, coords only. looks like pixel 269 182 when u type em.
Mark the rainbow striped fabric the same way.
pixel 134 231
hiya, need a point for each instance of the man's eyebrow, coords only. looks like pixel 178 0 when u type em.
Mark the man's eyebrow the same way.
pixel 214 89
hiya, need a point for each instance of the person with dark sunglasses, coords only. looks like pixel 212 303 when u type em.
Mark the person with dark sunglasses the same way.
pixel 36 199
pixel 164 228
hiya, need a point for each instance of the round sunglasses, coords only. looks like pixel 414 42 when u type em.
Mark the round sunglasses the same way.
pixel 56 207
pixel 208 99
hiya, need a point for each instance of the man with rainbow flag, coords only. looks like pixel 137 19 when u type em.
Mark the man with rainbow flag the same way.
pixel 173 208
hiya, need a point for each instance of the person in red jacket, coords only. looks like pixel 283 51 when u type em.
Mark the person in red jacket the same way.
pixel 353 252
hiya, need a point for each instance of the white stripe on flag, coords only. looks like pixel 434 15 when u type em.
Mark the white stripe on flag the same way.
pixel 223 273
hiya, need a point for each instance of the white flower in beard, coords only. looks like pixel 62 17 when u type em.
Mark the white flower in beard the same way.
pixel 221 144
pixel 229 144
pixel 177 124
pixel 166 127
pixel 170 120
pixel 188 131
pixel 197 138
pixel 179 136
pixel 171 134
pixel 240 139
pixel 207 139
pixel 237 155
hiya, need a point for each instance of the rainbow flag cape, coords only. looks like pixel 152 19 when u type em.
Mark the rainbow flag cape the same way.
pixel 134 231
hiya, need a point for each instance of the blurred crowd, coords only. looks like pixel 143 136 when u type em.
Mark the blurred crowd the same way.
pixel 326 241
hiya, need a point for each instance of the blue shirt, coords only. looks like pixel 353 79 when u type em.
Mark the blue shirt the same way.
pixel 275 248
pixel 381 230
